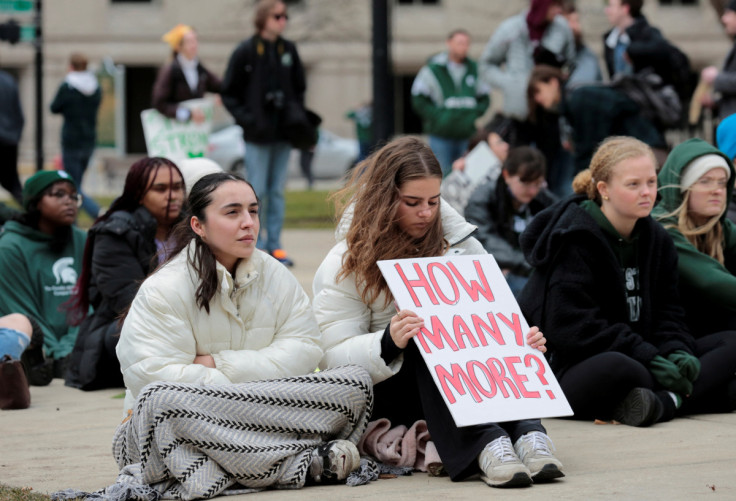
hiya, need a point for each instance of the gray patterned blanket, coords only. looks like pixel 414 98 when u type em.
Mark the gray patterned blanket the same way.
pixel 186 441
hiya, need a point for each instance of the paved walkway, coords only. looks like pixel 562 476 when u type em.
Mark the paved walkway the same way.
pixel 64 440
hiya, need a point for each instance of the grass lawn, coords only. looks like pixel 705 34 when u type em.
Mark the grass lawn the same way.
pixel 8 493
pixel 304 209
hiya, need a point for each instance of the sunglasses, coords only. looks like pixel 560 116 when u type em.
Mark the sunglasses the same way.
pixel 279 17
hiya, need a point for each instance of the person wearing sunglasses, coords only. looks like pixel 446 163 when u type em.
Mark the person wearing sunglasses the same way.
pixel 263 90
pixel 40 260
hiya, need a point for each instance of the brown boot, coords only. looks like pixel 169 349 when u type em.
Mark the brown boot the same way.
pixel 14 391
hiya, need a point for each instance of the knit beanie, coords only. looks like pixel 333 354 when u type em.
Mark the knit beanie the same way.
pixel 174 36
pixel 726 135
pixel 40 181
pixel 194 169
pixel 695 169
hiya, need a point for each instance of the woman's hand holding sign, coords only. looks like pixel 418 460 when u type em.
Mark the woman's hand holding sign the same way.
pixel 404 326
pixel 536 339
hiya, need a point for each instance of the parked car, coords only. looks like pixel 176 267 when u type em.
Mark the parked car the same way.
pixel 333 155
pixel 227 148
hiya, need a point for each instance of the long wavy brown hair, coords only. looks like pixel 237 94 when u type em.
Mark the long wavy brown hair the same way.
pixel 370 201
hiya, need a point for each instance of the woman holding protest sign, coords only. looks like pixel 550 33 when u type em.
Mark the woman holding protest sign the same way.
pixel 390 209
pixel 184 78
pixel 604 288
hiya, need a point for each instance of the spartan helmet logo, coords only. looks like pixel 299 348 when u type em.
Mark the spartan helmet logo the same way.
pixel 63 271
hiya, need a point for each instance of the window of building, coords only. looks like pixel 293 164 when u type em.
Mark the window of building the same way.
pixel 131 1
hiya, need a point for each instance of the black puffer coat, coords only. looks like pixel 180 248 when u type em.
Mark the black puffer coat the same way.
pixel 123 254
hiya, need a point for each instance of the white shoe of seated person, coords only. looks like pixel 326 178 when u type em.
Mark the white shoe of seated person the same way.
pixel 500 465
pixel 535 451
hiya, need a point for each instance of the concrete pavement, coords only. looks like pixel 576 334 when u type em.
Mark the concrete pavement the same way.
pixel 64 440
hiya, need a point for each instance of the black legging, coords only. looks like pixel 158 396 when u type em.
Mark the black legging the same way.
pixel 411 395
pixel 595 386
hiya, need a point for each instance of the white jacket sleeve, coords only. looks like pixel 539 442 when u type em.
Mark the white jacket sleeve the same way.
pixel 157 344
pixel 345 320
pixel 292 349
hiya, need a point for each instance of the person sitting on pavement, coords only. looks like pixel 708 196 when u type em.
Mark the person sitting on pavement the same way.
pixel 123 246
pixel 40 259
pixel 502 208
pixel 223 336
pixel 604 288
pixel 696 183
pixel 393 210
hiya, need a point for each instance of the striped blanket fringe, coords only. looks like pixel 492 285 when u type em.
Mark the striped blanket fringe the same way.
pixel 188 441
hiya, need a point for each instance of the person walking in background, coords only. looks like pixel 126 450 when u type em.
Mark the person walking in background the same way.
pixel 632 44
pixel 363 118
pixel 11 128
pixel 448 95
pixel 77 100
pixel 264 89
pixel 183 78
pixel 723 82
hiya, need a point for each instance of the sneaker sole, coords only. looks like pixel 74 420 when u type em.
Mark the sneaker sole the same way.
pixel 549 472
pixel 639 408
pixel 520 479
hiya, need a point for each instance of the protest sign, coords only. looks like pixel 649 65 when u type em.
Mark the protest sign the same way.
pixel 178 140
pixel 474 339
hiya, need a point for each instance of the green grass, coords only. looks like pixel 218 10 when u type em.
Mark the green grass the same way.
pixel 304 209
pixel 8 493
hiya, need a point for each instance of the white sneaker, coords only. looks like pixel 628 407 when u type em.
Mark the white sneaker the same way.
pixel 501 466
pixel 334 461
pixel 535 451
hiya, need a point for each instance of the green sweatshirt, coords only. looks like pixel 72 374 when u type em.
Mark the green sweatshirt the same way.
pixel 701 276
pixel 449 108
pixel 35 281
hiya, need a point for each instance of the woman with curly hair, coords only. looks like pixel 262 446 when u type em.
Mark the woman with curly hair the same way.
pixel 391 209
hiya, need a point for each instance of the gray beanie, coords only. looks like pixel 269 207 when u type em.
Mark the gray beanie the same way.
pixel 699 166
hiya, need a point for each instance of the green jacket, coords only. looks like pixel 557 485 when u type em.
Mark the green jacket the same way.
pixel 449 110
pixel 35 281
pixel 702 278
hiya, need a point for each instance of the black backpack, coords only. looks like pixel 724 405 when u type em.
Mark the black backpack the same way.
pixel 680 75
pixel 659 102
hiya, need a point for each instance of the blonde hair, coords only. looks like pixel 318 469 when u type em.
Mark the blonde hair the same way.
pixel 372 193
pixel 707 238
pixel 609 154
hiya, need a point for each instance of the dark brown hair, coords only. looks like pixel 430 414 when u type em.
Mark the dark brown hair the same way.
pixel 263 10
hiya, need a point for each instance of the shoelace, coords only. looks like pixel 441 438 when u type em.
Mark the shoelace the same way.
pixel 538 443
pixel 503 450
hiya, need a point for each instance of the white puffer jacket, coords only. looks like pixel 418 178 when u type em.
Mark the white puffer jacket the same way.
pixel 351 329
pixel 261 328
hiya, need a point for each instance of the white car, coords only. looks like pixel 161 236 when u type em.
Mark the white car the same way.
pixel 333 155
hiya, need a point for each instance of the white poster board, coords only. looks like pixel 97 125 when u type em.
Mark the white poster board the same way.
pixel 178 140
pixel 480 163
pixel 474 339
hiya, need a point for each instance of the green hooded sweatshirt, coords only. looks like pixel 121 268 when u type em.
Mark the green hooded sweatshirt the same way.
pixel 702 278
pixel 35 281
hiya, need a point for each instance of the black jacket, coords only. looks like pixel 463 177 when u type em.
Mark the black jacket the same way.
pixel 123 254
pixel 264 83
pixel 577 296
pixel 648 49
pixel 80 116
pixel 171 87
pixel 11 117
pixel 490 209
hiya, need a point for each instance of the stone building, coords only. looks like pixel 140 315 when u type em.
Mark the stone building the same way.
pixel 334 39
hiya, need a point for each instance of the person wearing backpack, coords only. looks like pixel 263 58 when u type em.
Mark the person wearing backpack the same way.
pixel 723 82
pixel 594 112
